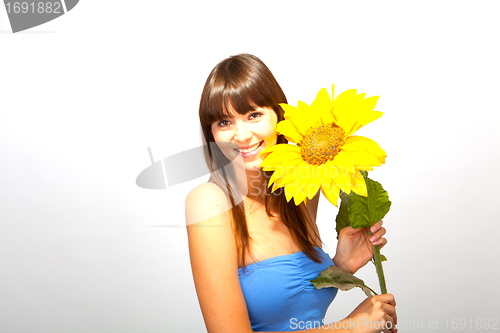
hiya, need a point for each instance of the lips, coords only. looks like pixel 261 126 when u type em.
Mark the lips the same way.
pixel 249 149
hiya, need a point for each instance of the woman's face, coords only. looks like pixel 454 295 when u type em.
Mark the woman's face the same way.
pixel 249 134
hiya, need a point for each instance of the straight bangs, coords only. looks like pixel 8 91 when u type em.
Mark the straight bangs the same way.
pixel 239 84
pixel 232 97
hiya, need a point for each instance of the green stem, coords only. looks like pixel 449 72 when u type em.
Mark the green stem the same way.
pixel 374 293
pixel 378 265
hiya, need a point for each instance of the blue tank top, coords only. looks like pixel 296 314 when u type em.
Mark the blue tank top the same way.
pixel 280 296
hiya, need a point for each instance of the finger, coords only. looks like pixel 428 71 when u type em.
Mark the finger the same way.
pixel 377 236
pixel 386 298
pixel 348 230
pixel 391 311
pixel 376 226
pixel 380 232
pixel 381 242
pixel 390 328
pixel 390 323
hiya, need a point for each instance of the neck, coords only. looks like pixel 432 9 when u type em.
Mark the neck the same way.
pixel 253 180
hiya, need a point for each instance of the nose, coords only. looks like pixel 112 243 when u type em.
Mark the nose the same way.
pixel 242 132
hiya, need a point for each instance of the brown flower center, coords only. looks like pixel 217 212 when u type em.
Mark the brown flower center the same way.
pixel 322 143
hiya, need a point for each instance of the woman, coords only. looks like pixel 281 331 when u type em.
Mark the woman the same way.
pixel 252 253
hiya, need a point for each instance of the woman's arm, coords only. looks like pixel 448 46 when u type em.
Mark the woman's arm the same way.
pixel 214 260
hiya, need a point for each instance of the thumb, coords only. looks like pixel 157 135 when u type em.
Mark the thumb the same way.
pixel 349 231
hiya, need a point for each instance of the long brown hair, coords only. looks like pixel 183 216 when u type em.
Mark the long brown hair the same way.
pixel 243 82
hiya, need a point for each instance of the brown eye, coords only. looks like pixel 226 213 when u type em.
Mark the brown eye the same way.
pixel 223 123
pixel 255 115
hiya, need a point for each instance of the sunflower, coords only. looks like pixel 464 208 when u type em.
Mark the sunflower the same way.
pixel 327 155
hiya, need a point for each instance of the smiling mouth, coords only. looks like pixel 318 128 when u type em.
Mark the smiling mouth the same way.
pixel 251 149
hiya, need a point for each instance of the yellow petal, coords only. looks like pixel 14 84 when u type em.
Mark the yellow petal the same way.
pixel 295 190
pixel 326 112
pixel 291 172
pixel 358 143
pixel 360 184
pixel 275 187
pixel 363 120
pixel 351 111
pixel 341 177
pixel 278 173
pixel 359 159
pixel 346 96
pixel 290 110
pixel 306 119
pixel 299 196
pixel 360 97
pixel 370 102
pixel 282 147
pixel 289 191
pixel 331 192
pixel 280 159
pixel 344 161
pixel 327 117
pixel 365 168
pixel 289 130
pixel 298 116
pixel 321 108
pixel 314 181
pixel 365 159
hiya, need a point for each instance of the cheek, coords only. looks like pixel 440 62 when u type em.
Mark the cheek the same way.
pixel 271 139
pixel 223 141
pixel 221 136
pixel 270 135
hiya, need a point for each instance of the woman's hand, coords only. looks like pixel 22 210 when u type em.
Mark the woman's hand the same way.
pixel 354 247
pixel 375 314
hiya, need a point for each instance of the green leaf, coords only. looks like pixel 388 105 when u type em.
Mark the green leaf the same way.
pixel 382 259
pixel 342 218
pixel 366 211
pixel 358 211
pixel 338 278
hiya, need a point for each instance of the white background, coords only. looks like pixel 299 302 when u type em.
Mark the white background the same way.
pixel 83 96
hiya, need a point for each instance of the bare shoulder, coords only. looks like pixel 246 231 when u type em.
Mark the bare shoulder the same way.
pixel 214 260
pixel 208 220
pixel 209 223
pixel 204 202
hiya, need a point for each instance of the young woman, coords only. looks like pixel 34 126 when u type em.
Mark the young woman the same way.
pixel 253 253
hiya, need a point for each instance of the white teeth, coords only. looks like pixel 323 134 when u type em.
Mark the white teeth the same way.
pixel 249 149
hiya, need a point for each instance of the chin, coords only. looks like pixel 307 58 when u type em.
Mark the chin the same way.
pixel 253 166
